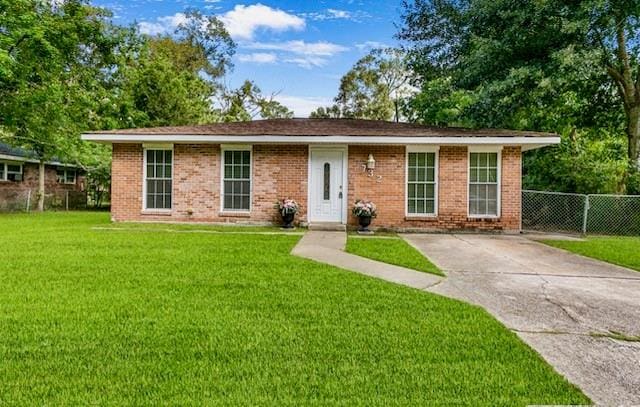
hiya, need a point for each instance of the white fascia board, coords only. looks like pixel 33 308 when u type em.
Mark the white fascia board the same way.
pixel 267 139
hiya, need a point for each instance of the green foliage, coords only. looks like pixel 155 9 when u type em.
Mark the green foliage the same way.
pixel 329 112
pixel 163 94
pixel 51 57
pixel 247 102
pixel 622 251
pixel 391 250
pixel 557 66
pixel 440 103
pixel 589 162
pixel 65 68
pixel 121 317
pixel 375 88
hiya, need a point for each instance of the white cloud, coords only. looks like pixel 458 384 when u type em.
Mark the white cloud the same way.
pixel 320 48
pixel 307 62
pixel 163 25
pixel 367 45
pixel 304 54
pixel 243 21
pixel 302 106
pixel 151 28
pixel 258 58
pixel 335 14
pixel 338 13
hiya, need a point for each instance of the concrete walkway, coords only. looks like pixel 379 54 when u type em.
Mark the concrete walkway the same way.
pixel 328 247
pixel 567 307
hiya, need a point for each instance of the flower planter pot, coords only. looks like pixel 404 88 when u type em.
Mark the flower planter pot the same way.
pixel 364 222
pixel 287 220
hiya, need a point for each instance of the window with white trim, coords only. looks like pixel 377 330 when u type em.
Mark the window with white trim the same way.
pixel 421 183
pixel 66 175
pixel 483 183
pixel 10 172
pixel 236 181
pixel 158 178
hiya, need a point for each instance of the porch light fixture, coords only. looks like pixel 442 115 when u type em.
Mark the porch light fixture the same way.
pixel 371 165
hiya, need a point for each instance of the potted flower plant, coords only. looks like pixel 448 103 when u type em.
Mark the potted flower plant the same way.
pixel 288 209
pixel 364 211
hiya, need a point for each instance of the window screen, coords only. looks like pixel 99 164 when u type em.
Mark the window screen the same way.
pixel 421 183
pixel 483 184
pixel 237 180
pixel 159 179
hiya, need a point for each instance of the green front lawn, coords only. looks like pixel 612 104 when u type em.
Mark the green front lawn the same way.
pixel 392 250
pixel 138 317
pixel 623 251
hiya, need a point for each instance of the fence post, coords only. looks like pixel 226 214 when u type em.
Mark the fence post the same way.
pixel 28 200
pixel 586 214
pixel 66 204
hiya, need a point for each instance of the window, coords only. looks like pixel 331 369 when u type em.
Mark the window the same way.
pixel 236 181
pixel 327 182
pixel 483 183
pixel 66 176
pixel 421 183
pixel 10 172
pixel 158 179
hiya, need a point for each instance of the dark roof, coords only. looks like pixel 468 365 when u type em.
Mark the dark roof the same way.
pixel 22 154
pixel 323 127
pixel 6 149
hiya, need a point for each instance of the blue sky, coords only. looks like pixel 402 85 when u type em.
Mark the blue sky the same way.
pixel 298 49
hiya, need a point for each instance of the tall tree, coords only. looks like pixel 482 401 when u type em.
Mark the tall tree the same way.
pixel 50 54
pixel 247 102
pixel 614 29
pixel 375 88
pixel 531 49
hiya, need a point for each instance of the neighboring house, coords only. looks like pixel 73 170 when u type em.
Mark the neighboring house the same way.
pixel 419 177
pixel 19 178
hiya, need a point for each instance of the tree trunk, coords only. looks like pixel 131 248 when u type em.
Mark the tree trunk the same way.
pixel 633 134
pixel 395 103
pixel 41 172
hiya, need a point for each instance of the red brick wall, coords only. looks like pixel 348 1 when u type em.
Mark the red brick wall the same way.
pixel 280 171
pixel 13 194
pixel 277 172
pixel 387 189
pixel 126 182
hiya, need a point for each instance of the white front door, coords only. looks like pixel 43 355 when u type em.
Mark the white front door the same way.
pixel 326 189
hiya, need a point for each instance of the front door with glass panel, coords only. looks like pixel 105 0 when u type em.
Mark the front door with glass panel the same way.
pixel 326 186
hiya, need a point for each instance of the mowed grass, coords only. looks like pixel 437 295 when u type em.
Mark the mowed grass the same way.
pixel 145 317
pixel 391 250
pixel 623 251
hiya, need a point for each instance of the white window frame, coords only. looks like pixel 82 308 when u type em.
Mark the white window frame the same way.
pixel 436 187
pixel 165 147
pixel 5 171
pixel 65 170
pixel 236 147
pixel 485 149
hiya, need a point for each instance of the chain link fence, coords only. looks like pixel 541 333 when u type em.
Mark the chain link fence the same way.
pixel 27 200
pixel 578 213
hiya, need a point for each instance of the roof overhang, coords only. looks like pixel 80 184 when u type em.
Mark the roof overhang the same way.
pixel 527 143
pixel 18 159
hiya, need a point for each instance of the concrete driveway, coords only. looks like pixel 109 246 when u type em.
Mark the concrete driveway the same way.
pixel 567 307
